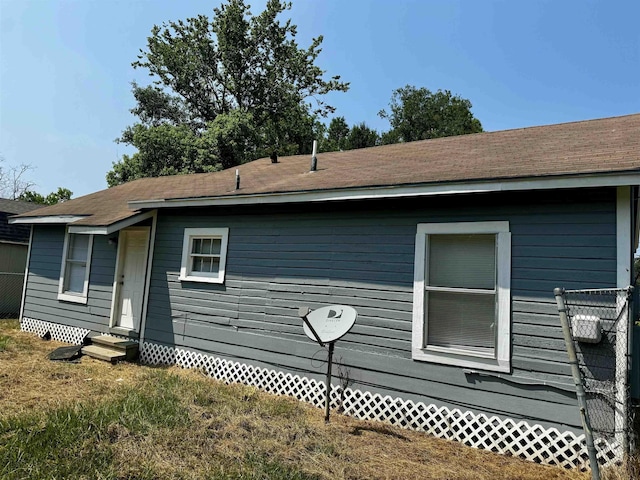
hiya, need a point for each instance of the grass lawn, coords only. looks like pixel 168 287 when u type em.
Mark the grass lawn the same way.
pixel 97 421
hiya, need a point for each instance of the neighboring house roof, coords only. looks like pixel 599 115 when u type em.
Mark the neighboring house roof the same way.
pixel 14 233
pixel 605 149
pixel 16 206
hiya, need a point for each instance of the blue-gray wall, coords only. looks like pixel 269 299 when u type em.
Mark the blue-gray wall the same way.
pixel 41 301
pixel 362 254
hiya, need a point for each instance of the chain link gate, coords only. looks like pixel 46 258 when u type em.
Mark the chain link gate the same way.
pixel 11 284
pixel 597 328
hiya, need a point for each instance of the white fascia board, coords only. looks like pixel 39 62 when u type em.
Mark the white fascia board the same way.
pixel 548 183
pixel 64 219
pixel 109 229
pixel 624 237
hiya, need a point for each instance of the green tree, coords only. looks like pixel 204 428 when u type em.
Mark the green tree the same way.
pixel 419 114
pixel 61 195
pixel 225 90
pixel 361 136
pixel 336 135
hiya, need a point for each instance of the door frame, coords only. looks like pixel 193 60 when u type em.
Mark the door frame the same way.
pixel 115 297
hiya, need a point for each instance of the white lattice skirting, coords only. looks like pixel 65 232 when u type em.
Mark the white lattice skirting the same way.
pixel 62 333
pixel 532 442
pixel 506 436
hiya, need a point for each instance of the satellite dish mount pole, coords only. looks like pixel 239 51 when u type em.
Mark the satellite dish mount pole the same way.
pixel 334 322
pixel 327 401
pixel 303 312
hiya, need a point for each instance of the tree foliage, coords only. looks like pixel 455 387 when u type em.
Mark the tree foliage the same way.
pixel 361 136
pixel 226 89
pixel 339 136
pixel 61 195
pixel 415 114
pixel 419 114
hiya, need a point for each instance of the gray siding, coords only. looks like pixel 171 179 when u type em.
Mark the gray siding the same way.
pixel 44 275
pixel 363 255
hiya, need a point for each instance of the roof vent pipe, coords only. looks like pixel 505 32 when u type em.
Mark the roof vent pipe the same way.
pixel 237 179
pixel 314 160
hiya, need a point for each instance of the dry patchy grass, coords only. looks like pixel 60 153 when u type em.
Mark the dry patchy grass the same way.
pixel 28 381
pixel 130 421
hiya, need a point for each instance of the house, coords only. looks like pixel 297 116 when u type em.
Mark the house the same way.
pixel 14 243
pixel 449 250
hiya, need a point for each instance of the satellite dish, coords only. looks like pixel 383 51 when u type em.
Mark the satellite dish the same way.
pixel 330 323
pixel 326 325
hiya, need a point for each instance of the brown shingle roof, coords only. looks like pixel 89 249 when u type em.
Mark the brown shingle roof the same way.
pixel 590 147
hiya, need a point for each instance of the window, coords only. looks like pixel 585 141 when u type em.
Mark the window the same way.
pixel 461 296
pixel 204 253
pixel 76 263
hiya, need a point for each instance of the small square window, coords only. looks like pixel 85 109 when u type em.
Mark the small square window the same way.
pixel 204 254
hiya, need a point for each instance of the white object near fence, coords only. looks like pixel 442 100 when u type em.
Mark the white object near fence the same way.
pixel 589 328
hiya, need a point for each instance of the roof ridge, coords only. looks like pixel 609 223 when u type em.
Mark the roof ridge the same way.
pixel 570 122
pixel 578 149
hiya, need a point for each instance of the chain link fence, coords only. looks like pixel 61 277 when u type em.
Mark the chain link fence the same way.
pixel 10 293
pixel 599 348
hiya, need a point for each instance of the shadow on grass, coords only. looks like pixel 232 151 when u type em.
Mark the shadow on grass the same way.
pixel 381 429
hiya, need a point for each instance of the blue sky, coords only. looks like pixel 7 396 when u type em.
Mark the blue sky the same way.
pixel 65 67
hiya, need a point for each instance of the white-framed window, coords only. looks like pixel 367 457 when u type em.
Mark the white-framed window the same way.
pixel 76 265
pixel 204 254
pixel 462 295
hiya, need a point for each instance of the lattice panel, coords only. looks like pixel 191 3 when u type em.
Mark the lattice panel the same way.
pixel 62 333
pixel 506 436
pixel 280 383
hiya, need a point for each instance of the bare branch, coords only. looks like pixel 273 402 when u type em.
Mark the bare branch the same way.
pixel 12 180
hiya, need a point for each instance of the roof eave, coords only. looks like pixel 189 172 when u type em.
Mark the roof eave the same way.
pixel 398 191
pixel 111 228
pixel 47 219
pixel 74 227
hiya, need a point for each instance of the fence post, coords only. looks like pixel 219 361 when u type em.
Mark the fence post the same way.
pixel 622 369
pixel 577 379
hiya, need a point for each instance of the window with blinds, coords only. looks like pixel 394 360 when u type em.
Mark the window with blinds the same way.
pixel 461 293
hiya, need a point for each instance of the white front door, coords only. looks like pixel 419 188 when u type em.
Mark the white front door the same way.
pixel 133 246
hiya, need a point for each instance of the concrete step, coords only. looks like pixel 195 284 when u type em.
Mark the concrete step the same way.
pixel 127 348
pixel 104 353
pixel 114 342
